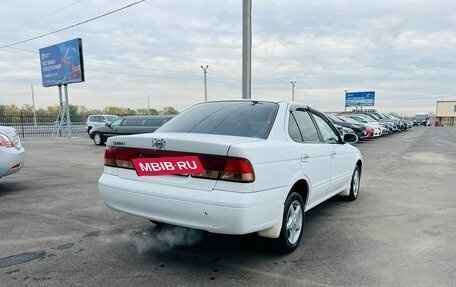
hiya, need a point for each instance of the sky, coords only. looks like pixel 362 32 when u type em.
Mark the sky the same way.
pixel 152 52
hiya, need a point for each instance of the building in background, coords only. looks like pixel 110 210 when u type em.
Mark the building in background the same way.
pixel 445 114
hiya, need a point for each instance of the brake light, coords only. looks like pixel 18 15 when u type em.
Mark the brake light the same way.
pixel 237 169
pixel 109 157
pixel 5 141
pixel 216 167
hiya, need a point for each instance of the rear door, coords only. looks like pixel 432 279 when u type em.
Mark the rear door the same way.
pixel 341 157
pixel 313 154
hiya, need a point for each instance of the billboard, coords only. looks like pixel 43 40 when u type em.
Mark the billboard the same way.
pixel 62 63
pixel 360 99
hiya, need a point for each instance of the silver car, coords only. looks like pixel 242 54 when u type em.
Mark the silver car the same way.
pixel 94 121
pixel 12 154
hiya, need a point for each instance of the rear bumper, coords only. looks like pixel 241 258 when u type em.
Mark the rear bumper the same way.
pixel 12 160
pixel 215 211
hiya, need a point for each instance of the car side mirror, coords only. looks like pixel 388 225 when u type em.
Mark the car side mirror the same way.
pixel 108 125
pixel 350 138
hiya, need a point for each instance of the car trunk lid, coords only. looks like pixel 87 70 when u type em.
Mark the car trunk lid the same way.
pixel 212 150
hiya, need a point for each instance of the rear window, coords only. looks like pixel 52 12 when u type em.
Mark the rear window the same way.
pixel 235 118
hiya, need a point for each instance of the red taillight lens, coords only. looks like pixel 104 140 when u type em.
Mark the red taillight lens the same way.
pixel 216 167
pixel 119 157
pixel 237 169
pixel 109 157
pixel 5 141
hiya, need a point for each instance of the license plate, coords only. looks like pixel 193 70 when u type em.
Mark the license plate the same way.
pixel 184 165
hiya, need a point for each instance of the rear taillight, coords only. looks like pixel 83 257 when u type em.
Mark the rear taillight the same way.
pixel 119 157
pixel 109 157
pixel 216 167
pixel 237 169
pixel 5 141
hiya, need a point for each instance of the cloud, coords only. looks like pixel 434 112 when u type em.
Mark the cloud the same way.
pixel 404 50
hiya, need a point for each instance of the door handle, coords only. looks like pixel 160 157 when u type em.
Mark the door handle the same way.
pixel 333 154
pixel 305 157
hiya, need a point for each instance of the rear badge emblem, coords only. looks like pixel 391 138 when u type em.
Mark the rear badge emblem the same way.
pixel 158 143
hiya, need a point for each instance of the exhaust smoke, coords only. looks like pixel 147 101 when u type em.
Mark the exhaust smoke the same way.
pixel 165 238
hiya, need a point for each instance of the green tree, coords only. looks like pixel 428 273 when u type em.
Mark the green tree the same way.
pixel 12 109
pixel 94 112
pixel 169 111
pixel 113 111
pixel 53 110
pixel 128 112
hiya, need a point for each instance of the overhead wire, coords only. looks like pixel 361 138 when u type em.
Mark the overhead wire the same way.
pixel 220 78
pixel 72 26
pixel 42 17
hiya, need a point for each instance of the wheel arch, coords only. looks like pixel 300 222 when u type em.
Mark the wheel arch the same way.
pixel 301 186
pixel 359 163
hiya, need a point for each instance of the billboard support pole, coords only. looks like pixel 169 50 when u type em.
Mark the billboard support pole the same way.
pixel 67 110
pixel 58 125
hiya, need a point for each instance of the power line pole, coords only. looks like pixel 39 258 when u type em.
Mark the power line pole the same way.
pixel 292 89
pixel 205 81
pixel 246 48
pixel 33 104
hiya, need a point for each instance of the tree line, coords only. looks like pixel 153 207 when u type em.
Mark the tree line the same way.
pixel 81 111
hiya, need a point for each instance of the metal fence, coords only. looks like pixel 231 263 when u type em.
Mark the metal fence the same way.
pixel 42 125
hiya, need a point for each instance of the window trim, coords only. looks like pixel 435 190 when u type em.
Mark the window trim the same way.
pixel 313 112
pixel 296 108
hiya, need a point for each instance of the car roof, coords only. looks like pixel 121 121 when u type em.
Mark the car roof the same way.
pixel 147 116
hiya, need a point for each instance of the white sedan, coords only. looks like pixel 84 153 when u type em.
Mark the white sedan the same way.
pixel 233 167
pixel 12 155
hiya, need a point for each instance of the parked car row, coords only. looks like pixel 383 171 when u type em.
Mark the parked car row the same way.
pixel 367 125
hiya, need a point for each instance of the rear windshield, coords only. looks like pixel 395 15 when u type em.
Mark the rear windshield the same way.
pixel 235 118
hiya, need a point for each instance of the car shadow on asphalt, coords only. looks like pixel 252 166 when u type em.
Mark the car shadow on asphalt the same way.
pixel 9 187
pixel 152 242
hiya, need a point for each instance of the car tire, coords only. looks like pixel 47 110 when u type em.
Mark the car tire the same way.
pixel 292 223
pixel 158 224
pixel 355 184
pixel 98 139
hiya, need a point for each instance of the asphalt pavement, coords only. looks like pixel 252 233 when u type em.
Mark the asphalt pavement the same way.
pixel 56 231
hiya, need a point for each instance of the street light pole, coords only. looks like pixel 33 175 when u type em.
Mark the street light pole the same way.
pixel 205 81
pixel 33 104
pixel 246 48
pixel 292 89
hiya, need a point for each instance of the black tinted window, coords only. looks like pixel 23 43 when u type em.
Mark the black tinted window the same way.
pixel 293 129
pixel 306 126
pixel 237 118
pixel 134 122
pixel 158 121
